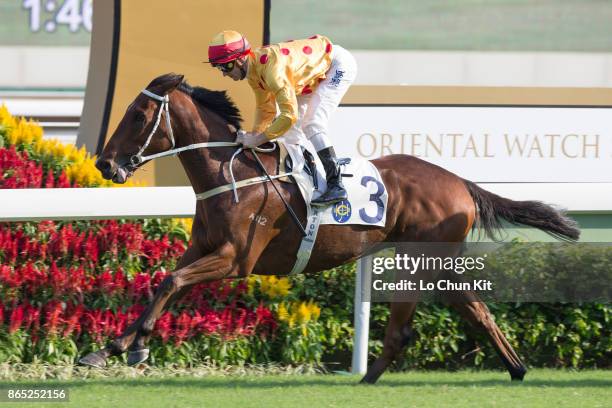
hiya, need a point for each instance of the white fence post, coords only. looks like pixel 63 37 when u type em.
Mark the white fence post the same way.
pixel 362 317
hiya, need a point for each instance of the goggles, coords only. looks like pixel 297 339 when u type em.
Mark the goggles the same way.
pixel 226 67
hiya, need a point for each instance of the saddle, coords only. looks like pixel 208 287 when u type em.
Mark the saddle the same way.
pixel 310 165
pixel 367 195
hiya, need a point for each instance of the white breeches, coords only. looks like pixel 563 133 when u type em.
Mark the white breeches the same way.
pixel 315 109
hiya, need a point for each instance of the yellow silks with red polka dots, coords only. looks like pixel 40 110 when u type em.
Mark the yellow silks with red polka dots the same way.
pixel 279 73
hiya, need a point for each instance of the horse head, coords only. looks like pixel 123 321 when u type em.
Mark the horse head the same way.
pixel 141 132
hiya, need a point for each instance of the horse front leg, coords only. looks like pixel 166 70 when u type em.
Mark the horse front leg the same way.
pixel 215 266
pixel 137 351
pixel 135 342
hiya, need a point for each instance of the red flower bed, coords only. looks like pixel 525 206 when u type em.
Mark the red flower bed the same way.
pixel 18 171
pixel 88 281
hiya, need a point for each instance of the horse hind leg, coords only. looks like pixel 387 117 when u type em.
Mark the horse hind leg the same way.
pixel 479 316
pixel 398 334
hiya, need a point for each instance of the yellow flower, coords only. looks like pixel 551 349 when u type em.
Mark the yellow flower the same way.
pixel 76 155
pixel 19 131
pixel 85 174
pixel 300 313
pixel 307 311
pixel 303 313
pixel 292 319
pixel 186 223
pixel 252 281
pixel 283 313
pixel 4 114
pixel 315 311
pixel 274 287
pixel 81 166
pixel 269 285
pixel 266 284
pixel 282 288
pixel 6 119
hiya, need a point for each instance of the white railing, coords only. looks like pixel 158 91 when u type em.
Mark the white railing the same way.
pixel 164 202
pixel 144 202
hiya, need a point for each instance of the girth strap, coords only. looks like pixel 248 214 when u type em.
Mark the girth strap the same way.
pixel 239 184
pixel 306 246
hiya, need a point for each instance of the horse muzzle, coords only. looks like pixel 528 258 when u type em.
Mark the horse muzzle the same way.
pixel 112 171
pixel 121 175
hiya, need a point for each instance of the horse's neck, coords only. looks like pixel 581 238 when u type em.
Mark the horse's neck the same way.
pixel 208 167
pixel 205 166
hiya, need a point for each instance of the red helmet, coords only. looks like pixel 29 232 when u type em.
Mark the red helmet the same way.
pixel 227 46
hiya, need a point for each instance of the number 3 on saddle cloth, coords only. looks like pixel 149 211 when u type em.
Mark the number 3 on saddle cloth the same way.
pixel 366 203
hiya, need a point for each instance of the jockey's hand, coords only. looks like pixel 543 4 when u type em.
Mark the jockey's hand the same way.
pixel 250 139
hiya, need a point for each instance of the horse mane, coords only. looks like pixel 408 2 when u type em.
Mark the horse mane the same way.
pixel 216 101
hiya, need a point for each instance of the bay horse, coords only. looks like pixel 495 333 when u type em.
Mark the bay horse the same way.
pixel 425 204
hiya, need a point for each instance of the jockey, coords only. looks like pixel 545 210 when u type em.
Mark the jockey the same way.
pixel 305 78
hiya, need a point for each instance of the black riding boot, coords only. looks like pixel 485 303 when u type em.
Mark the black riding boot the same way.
pixel 335 190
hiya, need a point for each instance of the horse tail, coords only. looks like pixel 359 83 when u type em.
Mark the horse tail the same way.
pixel 493 208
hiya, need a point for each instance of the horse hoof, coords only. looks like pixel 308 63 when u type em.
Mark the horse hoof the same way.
pixel 93 360
pixel 137 356
pixel 368 380
pixel 518 375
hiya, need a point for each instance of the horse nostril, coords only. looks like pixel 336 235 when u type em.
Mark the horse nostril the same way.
pixel 102 164
pixel 106 167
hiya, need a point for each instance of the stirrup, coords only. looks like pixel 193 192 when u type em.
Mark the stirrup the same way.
pixel 325 204
pixel 320 203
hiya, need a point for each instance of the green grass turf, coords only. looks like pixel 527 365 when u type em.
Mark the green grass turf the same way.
pixel 542 388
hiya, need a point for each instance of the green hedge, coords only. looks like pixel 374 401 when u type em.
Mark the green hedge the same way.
pixel 543 334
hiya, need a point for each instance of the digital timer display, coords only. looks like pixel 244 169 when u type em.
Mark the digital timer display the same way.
pixel 48 15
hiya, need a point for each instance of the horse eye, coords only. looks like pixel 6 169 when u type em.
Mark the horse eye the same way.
pixel 140 118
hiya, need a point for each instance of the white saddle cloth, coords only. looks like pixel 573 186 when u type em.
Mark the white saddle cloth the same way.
pixel 367 195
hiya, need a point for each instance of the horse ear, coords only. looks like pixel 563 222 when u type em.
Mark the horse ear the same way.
pixel 176 81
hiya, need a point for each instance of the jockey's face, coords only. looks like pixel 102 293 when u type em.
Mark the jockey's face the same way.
pixel 235 69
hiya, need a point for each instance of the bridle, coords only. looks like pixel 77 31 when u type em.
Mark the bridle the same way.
pixel 164 109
